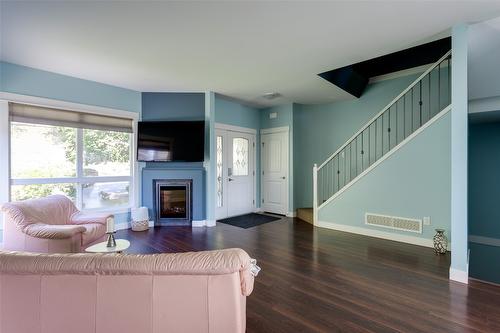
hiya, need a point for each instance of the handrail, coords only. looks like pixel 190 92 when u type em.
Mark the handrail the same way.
pixel 372 120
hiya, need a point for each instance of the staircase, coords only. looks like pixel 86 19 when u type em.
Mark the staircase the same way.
pixel 426 99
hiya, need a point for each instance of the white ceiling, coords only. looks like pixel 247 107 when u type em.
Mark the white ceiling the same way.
pixel 238 49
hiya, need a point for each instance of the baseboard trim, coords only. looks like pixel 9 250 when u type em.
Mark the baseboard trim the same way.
pixel 377 234
pixel 459 276
pixel 211 223
pixel 198 223
pixel 292 214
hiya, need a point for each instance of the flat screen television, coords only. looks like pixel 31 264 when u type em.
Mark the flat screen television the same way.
pixel 171 141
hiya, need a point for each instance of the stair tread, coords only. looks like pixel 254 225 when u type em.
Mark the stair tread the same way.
pixel 305 214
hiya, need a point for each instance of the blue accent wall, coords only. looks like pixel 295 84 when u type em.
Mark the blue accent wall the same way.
pixel 34 82
pixel 484 194
pixel 173 106
pixel 319 130
pixel 160 171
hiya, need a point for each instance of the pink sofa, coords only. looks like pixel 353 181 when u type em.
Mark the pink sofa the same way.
pixel 51 225
pixel 196 292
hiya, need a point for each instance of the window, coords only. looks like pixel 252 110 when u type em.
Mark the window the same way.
pixel 92 166
pixel 240 157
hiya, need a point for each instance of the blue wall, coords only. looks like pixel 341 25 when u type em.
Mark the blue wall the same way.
pixel 236 114
pixel 34 82
pixel 319 130
pixel 414 182
pixel 484 193
pixel 173 106
pixel 229 112
pixel 163 171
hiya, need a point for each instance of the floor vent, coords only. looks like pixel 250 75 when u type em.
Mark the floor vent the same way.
pixel 394 222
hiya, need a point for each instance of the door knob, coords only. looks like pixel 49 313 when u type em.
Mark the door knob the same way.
pixel 283 177
pixel 230 179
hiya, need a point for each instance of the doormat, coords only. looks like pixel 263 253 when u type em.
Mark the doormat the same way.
pixel 249 220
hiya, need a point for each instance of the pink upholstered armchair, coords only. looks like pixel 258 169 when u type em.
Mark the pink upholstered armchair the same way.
pixel 51 225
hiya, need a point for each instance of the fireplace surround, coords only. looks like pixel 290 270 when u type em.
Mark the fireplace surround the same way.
pixel 173 202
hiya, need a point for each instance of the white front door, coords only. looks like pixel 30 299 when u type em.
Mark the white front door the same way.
pixel 274 160
pixel 235 172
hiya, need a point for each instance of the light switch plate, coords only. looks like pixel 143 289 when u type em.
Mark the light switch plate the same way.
pixel 273 115
pixel 427 220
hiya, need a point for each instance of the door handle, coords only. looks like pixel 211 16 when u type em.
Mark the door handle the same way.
pixel 283 177
pixel 230 179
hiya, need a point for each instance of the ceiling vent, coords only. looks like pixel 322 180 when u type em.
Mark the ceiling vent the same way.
pixel 394 222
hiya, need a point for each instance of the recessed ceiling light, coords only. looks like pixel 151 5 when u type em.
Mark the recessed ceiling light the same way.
pixel 271 95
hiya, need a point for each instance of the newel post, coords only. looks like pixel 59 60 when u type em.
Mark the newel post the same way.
pixel 315 194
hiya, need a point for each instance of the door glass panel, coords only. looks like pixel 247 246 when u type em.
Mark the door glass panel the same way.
pixel 240 157
pixel 219 170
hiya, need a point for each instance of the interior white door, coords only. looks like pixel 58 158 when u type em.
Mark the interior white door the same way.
pixel 274 160
pixel 235 173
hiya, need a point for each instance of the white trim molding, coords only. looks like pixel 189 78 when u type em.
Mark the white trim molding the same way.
pixel 198 223
pixel 292 214
pixel 377 234
pixel 484 240
pixel 459 276
pixel 70 106
pixel 203 223
pixel 235 128
pixel 4 156
pixel 275 130
pixel 484 104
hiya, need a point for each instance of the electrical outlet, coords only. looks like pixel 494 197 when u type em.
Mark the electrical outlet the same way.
pixel 427 220
pixel 273 115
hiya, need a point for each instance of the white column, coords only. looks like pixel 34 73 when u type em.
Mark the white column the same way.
pixel 315 194
pixel 459 269
pixel 4 155
pixel 210 156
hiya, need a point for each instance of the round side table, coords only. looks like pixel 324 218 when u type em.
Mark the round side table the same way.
pixel 121 245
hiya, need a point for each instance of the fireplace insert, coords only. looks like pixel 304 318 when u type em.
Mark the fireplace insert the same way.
pixel 173 202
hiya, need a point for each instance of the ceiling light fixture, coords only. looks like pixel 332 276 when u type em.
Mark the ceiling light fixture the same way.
pixel 271 95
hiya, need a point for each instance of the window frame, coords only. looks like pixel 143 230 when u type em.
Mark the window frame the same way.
pixel 79 179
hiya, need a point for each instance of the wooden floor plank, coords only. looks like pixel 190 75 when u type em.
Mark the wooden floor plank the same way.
pixel 320 280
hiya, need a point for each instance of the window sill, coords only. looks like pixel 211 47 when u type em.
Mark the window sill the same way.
pixel 119 210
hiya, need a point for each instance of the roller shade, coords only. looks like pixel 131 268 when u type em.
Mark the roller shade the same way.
pixel 33 114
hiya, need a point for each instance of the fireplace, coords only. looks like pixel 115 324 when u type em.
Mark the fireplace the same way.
pixel 173 202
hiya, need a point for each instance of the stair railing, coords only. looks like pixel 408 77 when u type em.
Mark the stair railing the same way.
pixel 416 105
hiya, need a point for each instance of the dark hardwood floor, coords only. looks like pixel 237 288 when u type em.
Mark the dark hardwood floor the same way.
pixel 319 280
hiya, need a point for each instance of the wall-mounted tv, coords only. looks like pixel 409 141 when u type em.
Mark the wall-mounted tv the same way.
pixel 171 141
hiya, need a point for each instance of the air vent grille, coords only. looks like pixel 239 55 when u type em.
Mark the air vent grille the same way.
pixel 394 222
